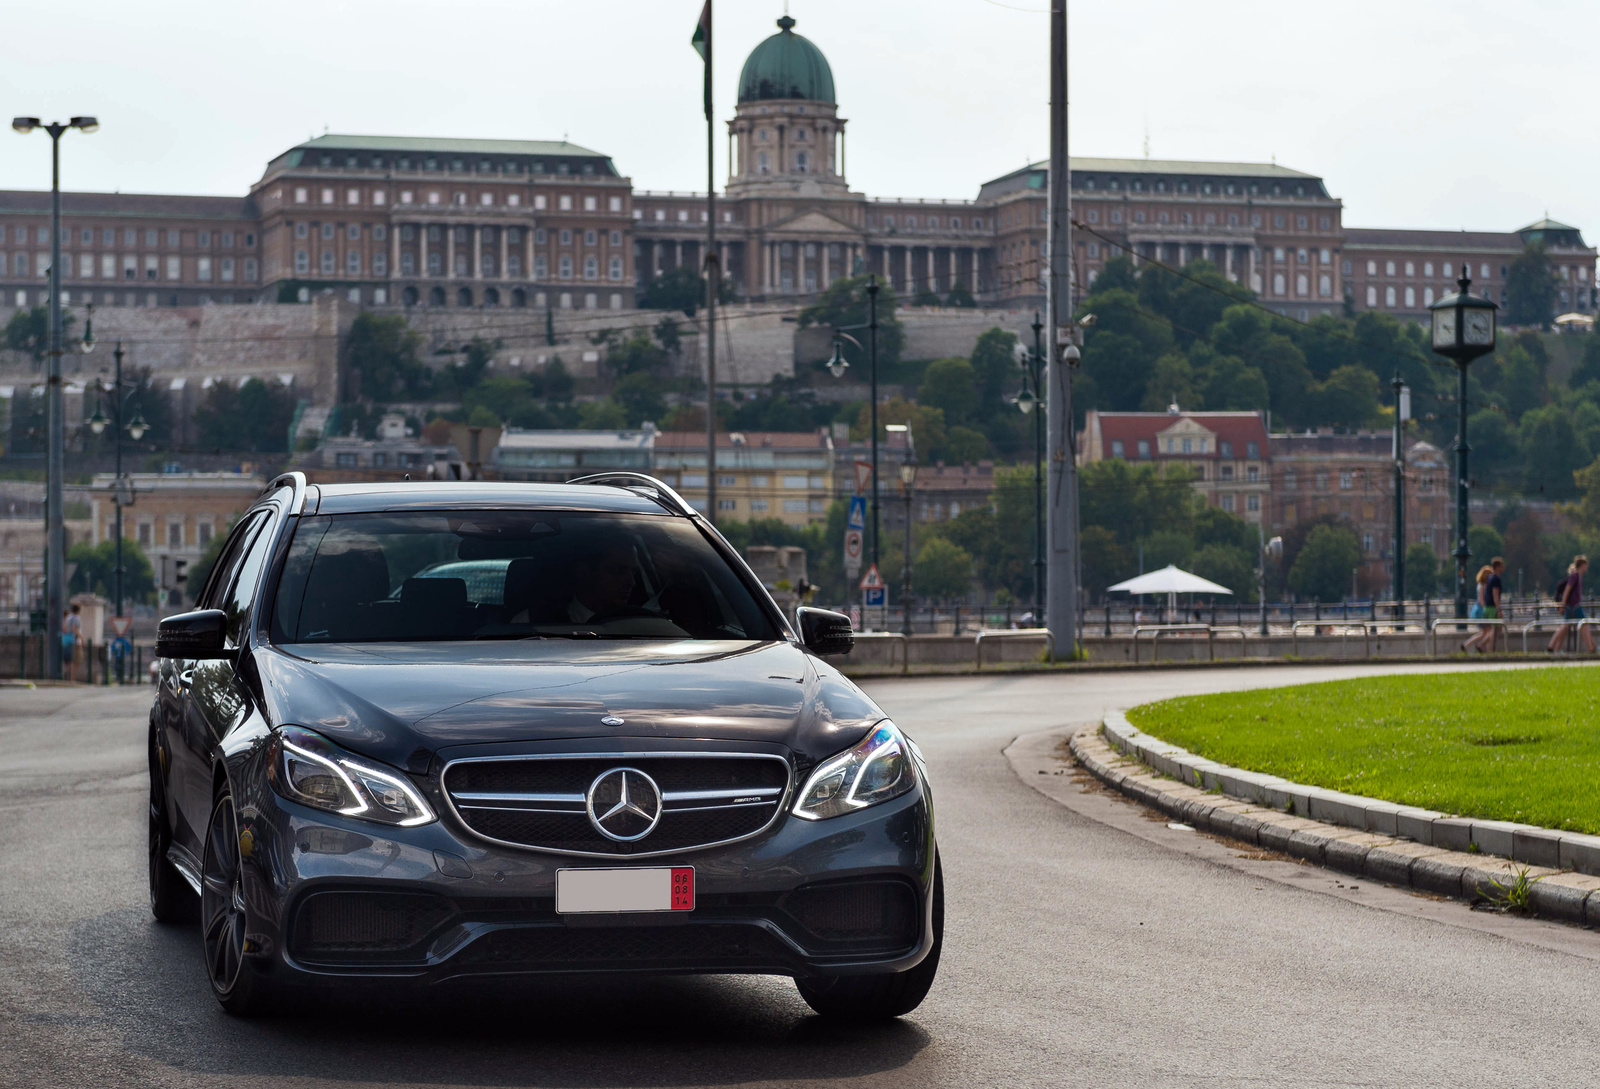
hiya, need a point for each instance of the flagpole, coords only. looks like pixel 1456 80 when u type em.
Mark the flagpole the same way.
pixel 713 275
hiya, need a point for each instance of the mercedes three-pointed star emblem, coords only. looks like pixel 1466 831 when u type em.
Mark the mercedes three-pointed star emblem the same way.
pixel 624 804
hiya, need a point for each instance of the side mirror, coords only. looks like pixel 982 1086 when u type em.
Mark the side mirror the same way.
pixel 825 631
pixel 200 634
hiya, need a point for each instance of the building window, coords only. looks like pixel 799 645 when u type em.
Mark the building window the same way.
pixel 327 262
pixel 1144 448
pixel 590 238
pixel 1278 283
pixel 1226 473
pixel 1116 448
pixel 435 264
pixel 302 262
pixel 1427 296
pixel 1346 480
pixel 566 236
pixel 174 268
pixel 1388 296
pixel 1372 296
pixel 1325 285
pixel 1411 298
pixel 174 534
pixel 146 533
pixel 1388 268
pixel 1252 473
pixel 541 267
pixel 566 267
pixel 616 268
pixel 227 270
pixel 345 461
pixel 1302 284
pixel 352 263
pixel 408 264
pixel 1227 503
pixel 1252 503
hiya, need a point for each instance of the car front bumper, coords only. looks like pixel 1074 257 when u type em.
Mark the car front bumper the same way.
pixel 330 898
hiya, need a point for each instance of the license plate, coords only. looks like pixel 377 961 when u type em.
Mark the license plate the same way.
pixel 661 888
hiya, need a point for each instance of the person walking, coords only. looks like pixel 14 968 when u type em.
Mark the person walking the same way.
pixel 1569 596
pixel 71 636
pixel 1490 606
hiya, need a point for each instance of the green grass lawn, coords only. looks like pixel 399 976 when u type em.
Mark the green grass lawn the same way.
pixel 1515 745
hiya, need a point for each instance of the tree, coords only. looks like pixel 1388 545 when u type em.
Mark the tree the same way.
pixel 1552 452
pixel 682 288
pixel 963 445
pixel 639 394
pixel 1422 571
pixel 960 296
pixel 602 415
pixel 635 354
pixel 1485 543
pixel 1105 560
pixel 1133 501
pixel 927 422
pixel 381 357
pixel 29 421
pixel 510 397
pixel 1323 568
pixel 29 331
pixel 1349 397
pixel 950 385
pixel 943 571
pixel 1227 565
pixel 1531 288
pixel 995 372
pixel 1171 383
pixel 844 303
pixel 254 417
pixel 97 565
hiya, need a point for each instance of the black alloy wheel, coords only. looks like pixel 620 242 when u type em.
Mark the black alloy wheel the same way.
pixel 234 978
pixel 172 899
pixel 889 994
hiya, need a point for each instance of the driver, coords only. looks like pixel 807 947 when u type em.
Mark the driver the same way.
pixel 603 583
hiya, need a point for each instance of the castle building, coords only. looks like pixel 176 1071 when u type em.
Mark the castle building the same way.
pixel 445 222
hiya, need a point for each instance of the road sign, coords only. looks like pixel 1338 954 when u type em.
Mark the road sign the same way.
pixel 875 597
pixel 857 518
pixel 872 580
pixel 119 625
pixel 852 553
pixel 863 475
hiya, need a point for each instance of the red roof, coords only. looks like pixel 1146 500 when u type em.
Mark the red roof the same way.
pixel 1238 428
pixel 779 440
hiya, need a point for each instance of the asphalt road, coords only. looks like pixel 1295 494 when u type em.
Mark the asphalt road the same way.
pixel 1087 945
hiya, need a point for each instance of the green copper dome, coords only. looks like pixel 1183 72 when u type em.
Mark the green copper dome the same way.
pixel 786 66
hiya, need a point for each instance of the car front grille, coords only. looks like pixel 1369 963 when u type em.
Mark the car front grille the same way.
pixel 700 947
pixel 542 802
pixel 336 926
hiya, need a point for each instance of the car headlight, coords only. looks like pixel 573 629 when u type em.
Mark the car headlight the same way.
pixel 309 769
pixel 876 769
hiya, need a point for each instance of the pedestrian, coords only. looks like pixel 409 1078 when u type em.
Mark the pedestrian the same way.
pixel 1569 597
pixel 71 635
pixel 1488 606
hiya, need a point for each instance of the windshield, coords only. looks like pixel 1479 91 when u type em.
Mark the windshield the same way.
pixel 449 575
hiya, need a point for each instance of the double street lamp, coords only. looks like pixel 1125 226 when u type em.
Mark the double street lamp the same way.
pixel 908 481
pixel 121 495
pixel 1028 398
pixel 55 536
pixel 837 366
pixel 1463 330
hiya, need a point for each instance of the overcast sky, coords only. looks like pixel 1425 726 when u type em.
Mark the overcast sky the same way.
pixel 1463 115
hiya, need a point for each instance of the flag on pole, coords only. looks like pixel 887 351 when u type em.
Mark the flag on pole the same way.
pixel 701 40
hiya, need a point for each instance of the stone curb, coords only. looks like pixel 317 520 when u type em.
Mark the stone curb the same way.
pixel 1389 857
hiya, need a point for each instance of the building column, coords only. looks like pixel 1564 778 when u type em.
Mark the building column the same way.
pixel 527 252
pixel 677 254
pixel 505 252
pixel 1227 262
pixel 766 267
pixel 422 249
pixel 1252 270
pixel 449 253
pixel 394 251
pixel 800 268
pixel 823 282
pixel 477 253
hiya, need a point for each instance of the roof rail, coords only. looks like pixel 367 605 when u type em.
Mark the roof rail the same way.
pixel 641 484
pixel 297 482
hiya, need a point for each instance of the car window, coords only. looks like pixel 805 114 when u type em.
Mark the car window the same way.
pixel 227 565
pixel 244 585
pixel 447 575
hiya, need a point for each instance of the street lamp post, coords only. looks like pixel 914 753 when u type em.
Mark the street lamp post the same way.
pixel 1463 330
pixel 1402 412
pixel 120 495
pixel 55 536
pixel 908 481
pixel 837 366
pixel 1028 399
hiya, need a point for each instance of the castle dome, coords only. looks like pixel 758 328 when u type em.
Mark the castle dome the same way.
pixel 786 66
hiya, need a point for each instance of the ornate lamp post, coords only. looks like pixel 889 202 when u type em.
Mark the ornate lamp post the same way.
pixel 908 481
pixel 121 495
pixel 1463 330
pixel 56 533
pixel 1028 399
pixel 837 366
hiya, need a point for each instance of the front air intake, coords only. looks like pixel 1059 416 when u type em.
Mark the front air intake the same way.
pixel 352 925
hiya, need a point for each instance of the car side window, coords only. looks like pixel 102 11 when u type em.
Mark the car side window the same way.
pixel 228 562
pixel 243 592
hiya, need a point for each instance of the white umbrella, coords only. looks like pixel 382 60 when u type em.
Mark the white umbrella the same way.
pixel 1172 581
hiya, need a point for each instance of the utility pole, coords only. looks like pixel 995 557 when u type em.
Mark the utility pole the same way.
pixel 55 543
pixel 713 273
pixel 1038 368
pixel 872 366
pixel 1402 404
pixel 1062 583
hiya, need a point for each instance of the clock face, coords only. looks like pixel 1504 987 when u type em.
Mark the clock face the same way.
pixel 1444 328
pixel 1480 327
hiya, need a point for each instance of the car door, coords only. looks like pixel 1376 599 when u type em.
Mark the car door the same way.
pixel 218 702
pixel 190 781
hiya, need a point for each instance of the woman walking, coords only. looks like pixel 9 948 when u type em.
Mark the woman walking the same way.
pixel 1569 596
pixel 1488 606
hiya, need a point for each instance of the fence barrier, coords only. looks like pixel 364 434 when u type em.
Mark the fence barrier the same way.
pixel 1008 633
pixel 1211 631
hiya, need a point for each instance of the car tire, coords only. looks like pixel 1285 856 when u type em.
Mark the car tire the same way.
pixel 885 995
pixel 172 899
pixel 235 978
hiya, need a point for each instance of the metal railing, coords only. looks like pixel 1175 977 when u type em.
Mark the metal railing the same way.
pixel 1211 631
pixel 893 637
pixel 1007 633
pixel 1554 624
pixel 1368 628
pixel 1459 622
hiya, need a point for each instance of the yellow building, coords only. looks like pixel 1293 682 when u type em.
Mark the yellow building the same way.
pixel 760 474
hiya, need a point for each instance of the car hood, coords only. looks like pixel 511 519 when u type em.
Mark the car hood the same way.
pixel 404 702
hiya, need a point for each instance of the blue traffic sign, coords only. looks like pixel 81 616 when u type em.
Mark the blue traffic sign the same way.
pixel 876 597
pixel 858 513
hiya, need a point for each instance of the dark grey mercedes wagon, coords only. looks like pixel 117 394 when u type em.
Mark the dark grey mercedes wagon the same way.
pixel 421 733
